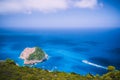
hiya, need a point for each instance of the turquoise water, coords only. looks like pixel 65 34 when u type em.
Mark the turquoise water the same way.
pixel 78 51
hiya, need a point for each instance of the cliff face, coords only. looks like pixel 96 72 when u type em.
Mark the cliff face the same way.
pixel 26 52
pixel 33 55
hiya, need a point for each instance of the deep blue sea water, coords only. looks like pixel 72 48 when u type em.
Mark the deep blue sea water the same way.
pixel 78 51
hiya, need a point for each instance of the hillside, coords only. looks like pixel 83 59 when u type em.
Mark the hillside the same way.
pixel 10 71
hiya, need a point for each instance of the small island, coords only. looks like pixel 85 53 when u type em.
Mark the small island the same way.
pixel 33 55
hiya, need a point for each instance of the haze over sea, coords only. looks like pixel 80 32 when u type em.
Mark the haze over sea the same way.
pixel 79 51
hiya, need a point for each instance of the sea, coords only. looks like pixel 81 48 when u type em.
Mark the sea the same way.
pixel 78 51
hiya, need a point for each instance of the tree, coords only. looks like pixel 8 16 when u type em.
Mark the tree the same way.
pixel 111 68
pixel 9 61
pixel 89 76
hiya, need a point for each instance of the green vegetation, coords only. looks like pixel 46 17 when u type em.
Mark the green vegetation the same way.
pixel 37 55
pixel 10 71
pixel 111 68
pixel 9 61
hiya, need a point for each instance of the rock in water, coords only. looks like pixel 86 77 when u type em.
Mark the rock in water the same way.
pixel 33 55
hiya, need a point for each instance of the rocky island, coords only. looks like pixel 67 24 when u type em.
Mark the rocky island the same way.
pixel 33 55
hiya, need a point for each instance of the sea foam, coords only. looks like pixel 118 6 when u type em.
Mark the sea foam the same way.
pixel 93 64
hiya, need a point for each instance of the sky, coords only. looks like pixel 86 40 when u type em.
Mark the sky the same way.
pixel 59 14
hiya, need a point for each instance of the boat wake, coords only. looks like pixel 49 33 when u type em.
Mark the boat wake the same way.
pixel 93 64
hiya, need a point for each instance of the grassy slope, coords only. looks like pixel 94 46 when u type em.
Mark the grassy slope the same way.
pixel 10 71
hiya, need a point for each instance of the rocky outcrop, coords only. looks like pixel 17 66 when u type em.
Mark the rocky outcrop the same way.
pixel 33 55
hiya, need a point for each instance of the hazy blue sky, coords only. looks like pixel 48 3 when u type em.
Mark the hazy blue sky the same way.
pixel 52 14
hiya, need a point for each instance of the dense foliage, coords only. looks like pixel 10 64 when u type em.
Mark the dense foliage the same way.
pixel 111 68
pixel 10 71
pixel 37 55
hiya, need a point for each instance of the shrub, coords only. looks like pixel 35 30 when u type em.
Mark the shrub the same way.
pixel 111 68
